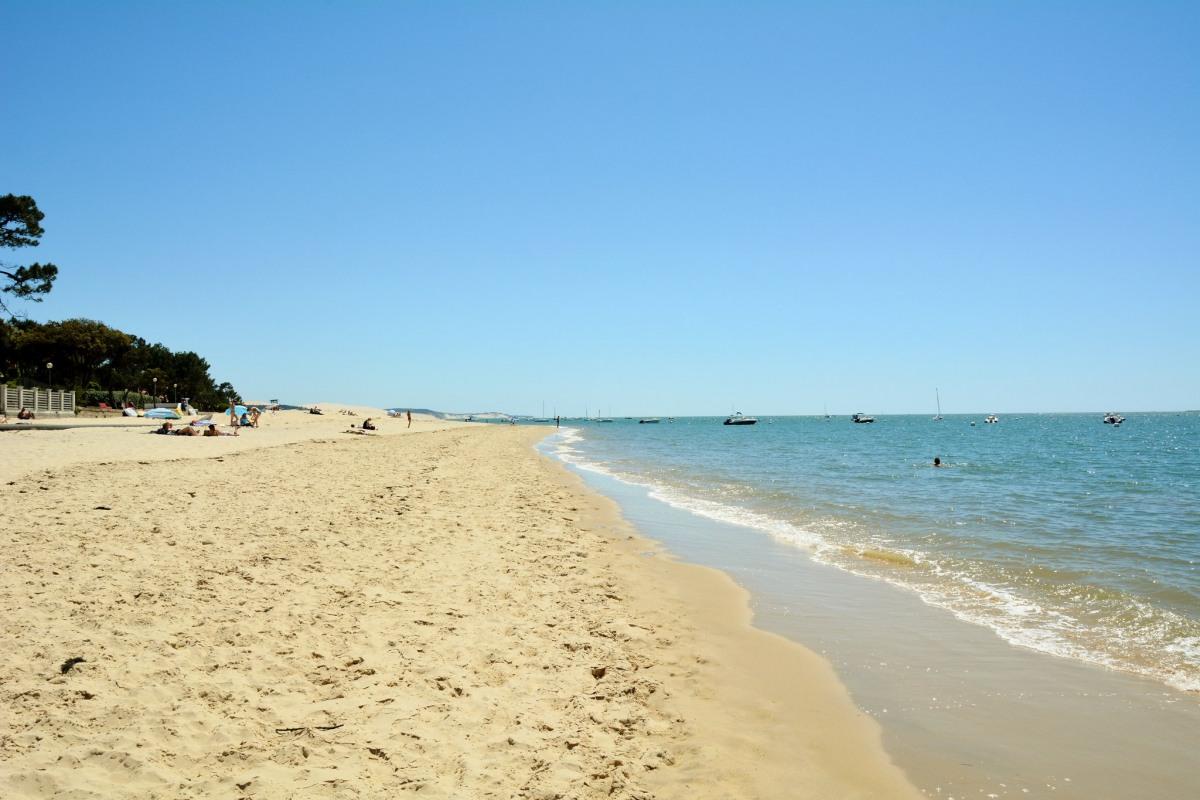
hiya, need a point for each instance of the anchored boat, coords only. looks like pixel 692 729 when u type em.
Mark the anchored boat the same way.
pixel 738 418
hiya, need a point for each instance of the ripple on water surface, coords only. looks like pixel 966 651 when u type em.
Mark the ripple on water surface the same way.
pixel 1057 532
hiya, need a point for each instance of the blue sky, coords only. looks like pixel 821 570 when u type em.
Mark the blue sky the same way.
pixel 665 208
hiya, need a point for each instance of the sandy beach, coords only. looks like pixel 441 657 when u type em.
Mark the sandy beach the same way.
pixel 297 612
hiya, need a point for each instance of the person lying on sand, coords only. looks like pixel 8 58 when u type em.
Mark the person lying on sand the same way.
pixel 213 430
pixel 166 429
pixel 25 413
pixel 188 431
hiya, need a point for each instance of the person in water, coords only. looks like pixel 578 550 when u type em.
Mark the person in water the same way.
pixel 937 461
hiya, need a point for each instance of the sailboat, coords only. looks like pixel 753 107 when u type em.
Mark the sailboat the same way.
pixel 938 418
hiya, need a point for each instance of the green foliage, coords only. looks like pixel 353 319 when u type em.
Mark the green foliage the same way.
pixel 113 366
pixel 21 226
pixel 226 391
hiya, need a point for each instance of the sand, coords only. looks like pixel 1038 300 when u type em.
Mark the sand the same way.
pixel 107 442
pixel 315 614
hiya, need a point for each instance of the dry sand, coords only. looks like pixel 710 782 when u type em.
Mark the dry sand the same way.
pixel 363 616
pixel 107 442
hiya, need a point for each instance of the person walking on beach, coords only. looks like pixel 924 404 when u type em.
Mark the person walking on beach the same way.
pixel 409 415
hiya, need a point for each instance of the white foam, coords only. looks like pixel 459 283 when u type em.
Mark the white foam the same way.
pixel 1018 620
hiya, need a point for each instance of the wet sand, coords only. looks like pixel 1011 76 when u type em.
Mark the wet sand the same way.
pixel 963 712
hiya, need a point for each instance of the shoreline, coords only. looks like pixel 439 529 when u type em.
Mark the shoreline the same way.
pixel 297 616
pixel 963 712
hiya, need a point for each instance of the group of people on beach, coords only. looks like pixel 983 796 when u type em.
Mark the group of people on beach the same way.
pixel 194 429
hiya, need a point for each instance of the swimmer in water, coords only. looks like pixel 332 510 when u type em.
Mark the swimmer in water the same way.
pixel 937 461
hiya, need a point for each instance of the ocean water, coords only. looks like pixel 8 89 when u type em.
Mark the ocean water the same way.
pixel 1055 531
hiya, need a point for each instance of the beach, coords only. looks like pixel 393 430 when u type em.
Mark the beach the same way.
pixel 850 545
pixel 298 612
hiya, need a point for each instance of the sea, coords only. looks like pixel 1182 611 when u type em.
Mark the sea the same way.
pixel 1055 558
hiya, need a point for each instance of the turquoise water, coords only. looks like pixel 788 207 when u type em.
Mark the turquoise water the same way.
pixel 1057 532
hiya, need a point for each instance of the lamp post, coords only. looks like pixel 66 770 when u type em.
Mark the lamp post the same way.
pixel 155 389
pixel 175 393
pixel 50 374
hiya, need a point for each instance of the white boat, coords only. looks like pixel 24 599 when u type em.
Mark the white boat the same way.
pixel 648 421
pixel 738 418
pixel 1113 418
pixel 991 419
pixel 861 418
pixel 938 418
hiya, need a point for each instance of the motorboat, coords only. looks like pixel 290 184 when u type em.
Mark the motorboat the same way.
pixel 648 421
pixel 991 419
pixel 861 418
pixel 1113 418
pixel 604 420
pixel 738 418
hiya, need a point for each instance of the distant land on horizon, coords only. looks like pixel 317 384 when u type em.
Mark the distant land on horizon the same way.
pixel 836 415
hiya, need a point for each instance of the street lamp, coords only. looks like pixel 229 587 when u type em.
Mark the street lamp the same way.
pixel 175 392
pixel 50 374
pixel 155 390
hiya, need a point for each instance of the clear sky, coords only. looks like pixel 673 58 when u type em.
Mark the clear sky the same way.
pixel 654 208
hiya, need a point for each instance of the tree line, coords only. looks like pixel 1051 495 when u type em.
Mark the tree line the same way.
pixel 100 363
pixel 103 364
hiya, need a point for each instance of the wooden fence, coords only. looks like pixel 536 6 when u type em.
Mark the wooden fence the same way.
pixel 39 401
